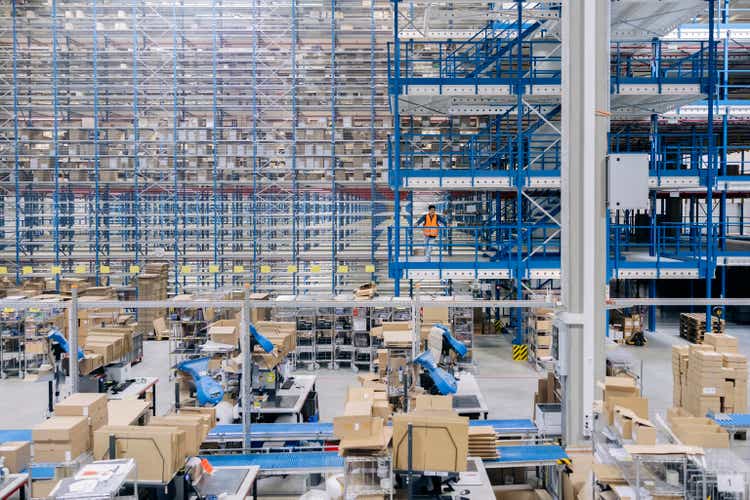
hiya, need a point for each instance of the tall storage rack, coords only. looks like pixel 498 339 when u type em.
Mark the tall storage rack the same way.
pixel 12 345
pixel 477 131
pixel 242 140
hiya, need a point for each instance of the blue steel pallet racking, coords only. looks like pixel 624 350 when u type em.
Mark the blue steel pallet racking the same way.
pixel 506 77
pixel 201 134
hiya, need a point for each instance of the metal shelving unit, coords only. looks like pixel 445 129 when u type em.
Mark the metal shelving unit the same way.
pixel 224 135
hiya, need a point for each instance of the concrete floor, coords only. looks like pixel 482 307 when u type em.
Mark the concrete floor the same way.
pixel 508 386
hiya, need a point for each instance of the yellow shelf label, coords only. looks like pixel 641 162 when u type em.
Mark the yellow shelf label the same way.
pixel 213 268
pixel 369 268
pixel 27 270
pixel 3 270
pixel 104 269
pixel 8 309
pixel 238 269
pixel 185 269
pixel 291 269
pixel 80 269
pixel 343 269
pixel 135 269
pixel 56 270
pixel 265 269
pixel 34 309
pixel 315 268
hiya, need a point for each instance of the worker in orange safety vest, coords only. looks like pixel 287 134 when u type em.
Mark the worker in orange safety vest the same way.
pixel 430 223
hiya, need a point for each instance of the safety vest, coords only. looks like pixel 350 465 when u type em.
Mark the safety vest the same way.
pixel 431 225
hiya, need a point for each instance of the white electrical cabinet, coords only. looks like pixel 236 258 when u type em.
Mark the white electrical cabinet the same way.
pixel 627 181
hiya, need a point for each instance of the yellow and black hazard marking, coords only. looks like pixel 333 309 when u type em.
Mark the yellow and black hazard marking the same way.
pixel 498 324
pixel 564 461
pixel 520 352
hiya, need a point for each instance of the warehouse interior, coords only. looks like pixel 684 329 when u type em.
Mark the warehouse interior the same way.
pixel 374 249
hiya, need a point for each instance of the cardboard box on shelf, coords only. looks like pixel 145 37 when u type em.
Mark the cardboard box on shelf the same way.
pixel 158 451
pixel 439 442
pixel 93 406
pixel 224 332
pixel 17 455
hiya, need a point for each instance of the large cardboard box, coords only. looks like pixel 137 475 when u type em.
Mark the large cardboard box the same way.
pixel 721 342
pixel 224 331
pixel 209 414
pixel 361 433
pixel 60 439
pixel 427 403
pixel 439 442
pixel 699 431
pixel 90 405
pixel 17 455
pixel 192 425
pixel 158 451
pixel 80 404
pixel 639 406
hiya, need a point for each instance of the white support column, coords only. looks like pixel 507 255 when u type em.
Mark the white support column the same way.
pixel 585 123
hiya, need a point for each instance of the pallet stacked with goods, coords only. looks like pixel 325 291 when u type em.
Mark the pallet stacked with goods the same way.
pixel 539 333
pixel 711 377
pixel 693 326
pixel 151 284
pixel 623 325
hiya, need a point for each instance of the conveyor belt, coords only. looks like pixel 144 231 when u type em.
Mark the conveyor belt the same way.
pixel 519 426
pixel 15 435
pixel 279 462
pixel 322 431
pixel 259 432
pixel 732 420
pixel 42 471
pixel 531 455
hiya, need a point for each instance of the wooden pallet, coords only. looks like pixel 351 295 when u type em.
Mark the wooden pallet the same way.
pixel 693 326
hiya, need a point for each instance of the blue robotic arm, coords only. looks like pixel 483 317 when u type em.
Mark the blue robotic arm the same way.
pixel 207 389
pixel 444 381
pixel 55 336
pixel 455 344
pixel 264 343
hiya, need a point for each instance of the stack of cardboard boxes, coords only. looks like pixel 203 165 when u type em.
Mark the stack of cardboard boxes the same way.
pixel 159 451
pixel 540 326
pixel 93 406
pixel 696 431
pixel 624 325
pixel 152 285
pixel 483 442
pixel 60 439
pixel 710 377
pixel 440 438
